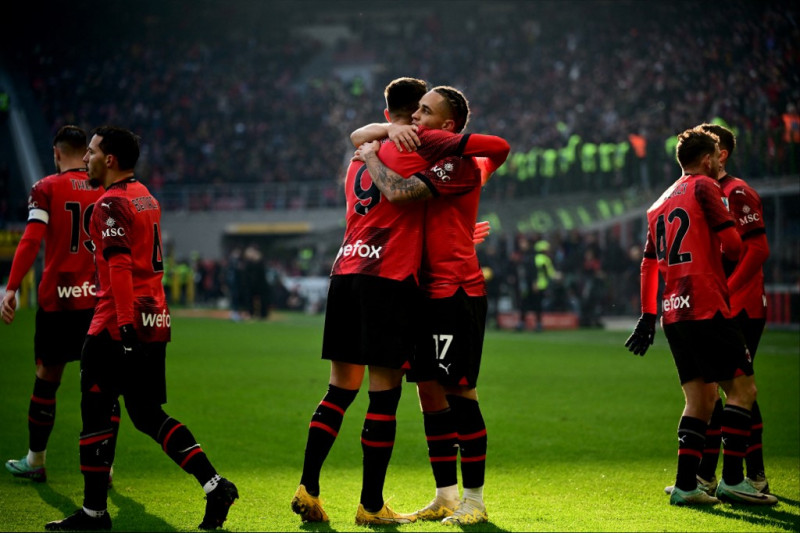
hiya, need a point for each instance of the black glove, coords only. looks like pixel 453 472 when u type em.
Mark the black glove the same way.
pixel 131 347
pixel 643 335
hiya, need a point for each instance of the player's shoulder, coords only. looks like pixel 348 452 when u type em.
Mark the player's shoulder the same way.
pixel 737 186
pixel 429 133
pixel 703 180
pixel 132 196
pixel 706 185
pixel 678 188
pixel 111 201
pixel 47 181
pixel 75 180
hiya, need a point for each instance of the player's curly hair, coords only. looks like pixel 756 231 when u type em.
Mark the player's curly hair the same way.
pixel 402 95
pixel 457 103
pixel 727 140
pixel 693 144
pixel 121 143
pixel 70 139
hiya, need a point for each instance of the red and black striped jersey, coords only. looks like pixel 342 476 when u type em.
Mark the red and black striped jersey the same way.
pixel 682 235
pixel 382 239
pixel 64 202
pixel 125 229
pixel 745 205
pixel 449 260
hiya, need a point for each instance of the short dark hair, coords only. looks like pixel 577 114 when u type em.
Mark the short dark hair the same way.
pixel 121 143
pixel 727 140
pixel 693 144
pixel 403 94
pixel 71 140
pixel 457 103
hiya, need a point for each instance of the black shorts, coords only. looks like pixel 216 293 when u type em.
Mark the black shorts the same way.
pixel 451 340
pixel 142 378
pixel 712 349
pixel 752 329
pixel 59 335
pixel 369 320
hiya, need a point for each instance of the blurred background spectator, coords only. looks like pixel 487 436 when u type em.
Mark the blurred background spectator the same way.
pixel 248 105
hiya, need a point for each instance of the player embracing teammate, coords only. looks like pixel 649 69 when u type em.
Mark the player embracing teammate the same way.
pixel 372 296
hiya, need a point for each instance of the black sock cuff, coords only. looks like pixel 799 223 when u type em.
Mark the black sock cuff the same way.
pixel 464 408
pixel 468 416
pixel 444 411
pixel 439 423
pixel 384 401
pixel 755 414
pixel 460 402
pixel 716 415
pixel 739 412
pixel 45 389
pixel 165 428
pixel 339 396
pixel 436 417
pixel 692 424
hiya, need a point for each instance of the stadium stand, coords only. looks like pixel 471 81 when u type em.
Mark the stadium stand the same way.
pixel 246 106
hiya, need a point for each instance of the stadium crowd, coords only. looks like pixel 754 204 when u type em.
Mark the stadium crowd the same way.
pixel 241 95
pixel 233 95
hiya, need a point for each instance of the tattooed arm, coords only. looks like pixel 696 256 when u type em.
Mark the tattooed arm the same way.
pixel 394 187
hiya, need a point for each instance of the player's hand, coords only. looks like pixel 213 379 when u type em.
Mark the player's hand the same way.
pixel 481 231
pixel 131 346
pixel 9 306
pixel 366 150
pixel 369 148
pixel 404 137
pixel 643 335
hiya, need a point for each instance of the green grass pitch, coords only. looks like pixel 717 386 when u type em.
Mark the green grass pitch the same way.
pixel 581 435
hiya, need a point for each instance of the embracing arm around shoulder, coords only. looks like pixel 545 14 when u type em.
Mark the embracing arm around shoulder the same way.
pixel 394 187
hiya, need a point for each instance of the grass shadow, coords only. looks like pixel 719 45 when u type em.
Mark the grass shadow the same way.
pixel 774 518
pixel 133 517
pixel 487 526
pixel 789 501
pixel 65 505
pixel 317 526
